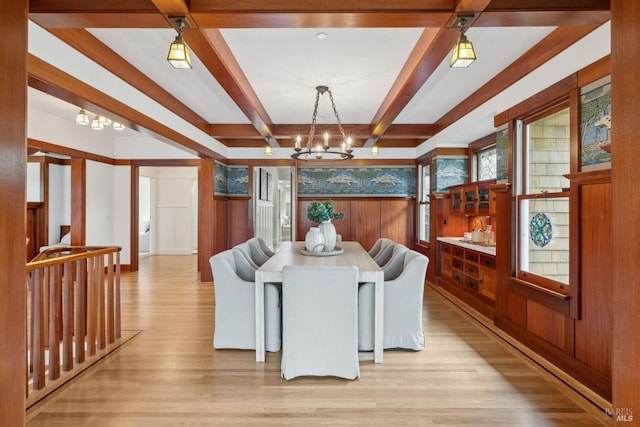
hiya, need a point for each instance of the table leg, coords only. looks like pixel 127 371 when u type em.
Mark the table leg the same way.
pixel 259 312
pixel 378 347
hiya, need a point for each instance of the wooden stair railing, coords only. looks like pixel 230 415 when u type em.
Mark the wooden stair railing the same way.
pixel 73 309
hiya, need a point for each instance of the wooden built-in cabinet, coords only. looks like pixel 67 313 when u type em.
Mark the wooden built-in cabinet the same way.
pixel 469 274
pixel 474 198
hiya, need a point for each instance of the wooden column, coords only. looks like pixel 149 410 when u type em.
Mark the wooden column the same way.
pixel 625 101
pixel 206 218
pixel 13 177
pixel 78 201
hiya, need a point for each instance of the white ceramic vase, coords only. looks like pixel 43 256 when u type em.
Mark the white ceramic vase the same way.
pixel 328 230
pixel 314 240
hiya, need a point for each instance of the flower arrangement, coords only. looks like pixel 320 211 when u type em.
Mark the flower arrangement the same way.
pixel 323 211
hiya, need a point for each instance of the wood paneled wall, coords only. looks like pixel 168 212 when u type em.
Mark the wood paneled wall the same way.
pixel 13 167
pixel 366 220
pixel 578 341
pixel 625 97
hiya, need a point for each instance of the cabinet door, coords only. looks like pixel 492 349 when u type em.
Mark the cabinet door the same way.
pixel 487 282
pixel 456 201
pixel 484 200
pixel 470 200
pixel 445 265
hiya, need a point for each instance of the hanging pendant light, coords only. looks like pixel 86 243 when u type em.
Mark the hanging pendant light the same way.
pixel 463 53
pixel 96 124
pixel 323 151
pixel 179 56
pixel 82 118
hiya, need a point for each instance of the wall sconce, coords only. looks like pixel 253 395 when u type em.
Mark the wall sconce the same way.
pixel 463 54
pixel 268 150
pixel 375 150
pixel 179 56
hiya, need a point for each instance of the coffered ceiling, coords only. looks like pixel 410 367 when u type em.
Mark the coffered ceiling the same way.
pixel 256 64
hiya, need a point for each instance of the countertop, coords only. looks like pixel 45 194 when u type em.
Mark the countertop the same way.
pixel 459 241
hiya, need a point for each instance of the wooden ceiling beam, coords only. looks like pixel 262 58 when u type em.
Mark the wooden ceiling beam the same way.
pixel 432 48
pixel 314 14
pixel 321 20
pixel 87 44
pixel 325 6
pixel 56 82
pixel 212 50
pixel 246 131
pixel 172 7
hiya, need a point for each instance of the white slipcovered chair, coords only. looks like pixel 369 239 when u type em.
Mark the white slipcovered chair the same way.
pixel 264 247
pixel 255 251
pixel 394 266
pixel 385 253
pixel 244 250
pixel 402 307
pixel 320 322
pixel 378 245
pixel 234 325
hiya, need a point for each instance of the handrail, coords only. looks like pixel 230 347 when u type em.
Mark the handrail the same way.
pixel 43 259
pixel 73 309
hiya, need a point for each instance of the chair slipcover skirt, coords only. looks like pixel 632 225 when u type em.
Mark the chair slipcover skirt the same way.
pixel 320 321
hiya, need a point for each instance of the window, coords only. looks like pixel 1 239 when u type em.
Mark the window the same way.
pixel 425 206
pixel 543 200
pixel 486 163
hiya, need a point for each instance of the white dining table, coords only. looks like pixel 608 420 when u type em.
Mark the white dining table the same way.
pixel 290 254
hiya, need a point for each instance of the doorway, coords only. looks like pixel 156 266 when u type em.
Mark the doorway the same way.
pixel 273 210
pixel 167 210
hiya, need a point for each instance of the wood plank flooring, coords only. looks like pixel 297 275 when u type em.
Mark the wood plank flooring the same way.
pixel 170 375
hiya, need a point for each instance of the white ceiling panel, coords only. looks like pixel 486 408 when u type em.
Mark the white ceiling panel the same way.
pixel 146 49
pixel 285 65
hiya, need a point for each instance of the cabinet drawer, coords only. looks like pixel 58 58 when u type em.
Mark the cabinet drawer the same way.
pixel 471 269
pixel 446 248
pixel 458 252
pixel 471 256
pixel 488 261
pixel 471 283
pixel 457 264
pixel 458 277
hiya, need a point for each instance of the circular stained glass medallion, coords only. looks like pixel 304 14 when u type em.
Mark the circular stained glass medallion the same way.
pixel 540 229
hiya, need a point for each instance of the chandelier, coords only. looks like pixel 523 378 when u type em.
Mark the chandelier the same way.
pixel 323 151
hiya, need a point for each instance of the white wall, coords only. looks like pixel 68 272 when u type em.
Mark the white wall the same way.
pixel 33 182
pixel 108 207
pixel 122 211
pixel 173 222
pixel 59 200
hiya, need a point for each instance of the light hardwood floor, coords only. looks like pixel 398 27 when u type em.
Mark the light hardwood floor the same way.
pixel 169 375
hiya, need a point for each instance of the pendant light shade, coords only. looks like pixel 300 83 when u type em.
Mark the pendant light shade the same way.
pixel 96 124
pixel 82 118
